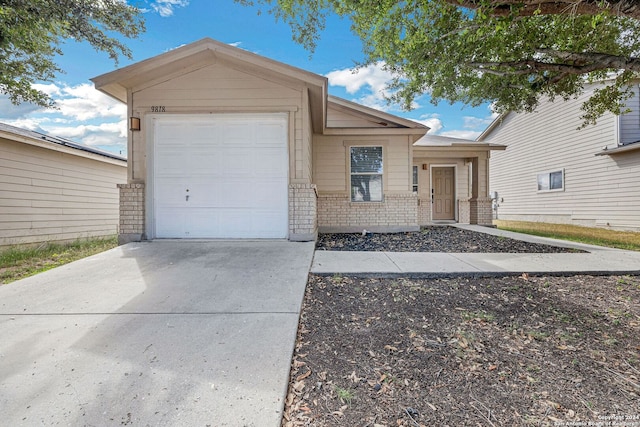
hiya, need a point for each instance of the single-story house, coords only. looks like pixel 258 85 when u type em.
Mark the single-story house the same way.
pixel 225 143
pixel 52 189
pixel 554 173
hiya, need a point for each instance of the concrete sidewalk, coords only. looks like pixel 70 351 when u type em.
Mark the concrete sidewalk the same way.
pixel 159 333
pixel 597 260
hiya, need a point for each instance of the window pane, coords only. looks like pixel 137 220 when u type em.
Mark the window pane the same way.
pixel 366 188
pixel 543 181
pixel 556 180
pixel 366 159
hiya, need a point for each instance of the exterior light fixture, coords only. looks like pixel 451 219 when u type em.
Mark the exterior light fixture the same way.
pixel 134 123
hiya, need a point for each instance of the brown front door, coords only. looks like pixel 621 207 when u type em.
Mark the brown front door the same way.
pixel 443 193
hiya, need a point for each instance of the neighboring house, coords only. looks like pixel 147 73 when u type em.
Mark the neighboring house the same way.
pixel 552 172
pixel 52 189
pixel 228 144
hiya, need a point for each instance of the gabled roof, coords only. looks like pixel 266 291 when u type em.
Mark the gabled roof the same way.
pixel 30 137
pixel 202 53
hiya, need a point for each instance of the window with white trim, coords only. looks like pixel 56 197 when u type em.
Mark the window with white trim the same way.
pixel 551 181
pixel 415 179
pixel 366 174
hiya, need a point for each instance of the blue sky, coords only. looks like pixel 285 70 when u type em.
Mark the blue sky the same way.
pixel 89 117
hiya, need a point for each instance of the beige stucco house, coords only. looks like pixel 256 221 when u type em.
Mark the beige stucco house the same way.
pixel 553 172
pixel 52 189
pixel 229 144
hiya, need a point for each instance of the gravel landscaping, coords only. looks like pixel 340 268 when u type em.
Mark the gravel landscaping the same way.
pixel 431 239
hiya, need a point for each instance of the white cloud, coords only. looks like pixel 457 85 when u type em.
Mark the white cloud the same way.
pixel 369 85
pixel 373 76
pixel 471 122
pixel 463 134
pixel 84 115
pixel 433 121
pixel 165 8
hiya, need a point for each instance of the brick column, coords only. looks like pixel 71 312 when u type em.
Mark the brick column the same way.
pixel 131 213
pixel 303 217
pixel 464 211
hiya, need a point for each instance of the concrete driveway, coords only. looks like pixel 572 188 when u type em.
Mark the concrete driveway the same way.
pixel 162 333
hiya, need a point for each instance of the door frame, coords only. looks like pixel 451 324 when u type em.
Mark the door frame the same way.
pixel 455 188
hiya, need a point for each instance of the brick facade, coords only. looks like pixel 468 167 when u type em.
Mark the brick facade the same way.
pixel 464 211
pixel 481 211
pixel 131 213
pixel 398 212
pixel 424 211
pixel 303 202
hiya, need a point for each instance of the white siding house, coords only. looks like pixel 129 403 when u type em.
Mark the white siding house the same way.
pixel 552 172
pixel 52 189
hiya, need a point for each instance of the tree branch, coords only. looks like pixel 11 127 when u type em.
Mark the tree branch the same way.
pixel 574 63
pixel 627 8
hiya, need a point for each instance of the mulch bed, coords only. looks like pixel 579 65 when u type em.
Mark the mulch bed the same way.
pixel 514 351
pixel 431 239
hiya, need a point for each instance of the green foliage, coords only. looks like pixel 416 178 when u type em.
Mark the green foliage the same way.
pixel 473 51
pixel 17 262
pixel 31 32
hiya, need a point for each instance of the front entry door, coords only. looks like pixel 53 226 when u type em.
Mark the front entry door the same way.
pixel 443 193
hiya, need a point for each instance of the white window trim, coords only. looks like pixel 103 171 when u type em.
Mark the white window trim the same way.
pixel 549 172
pixel 366 173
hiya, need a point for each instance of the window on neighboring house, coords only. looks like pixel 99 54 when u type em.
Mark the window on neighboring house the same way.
pixel 551 181
pixel 366 174
pixel 415 179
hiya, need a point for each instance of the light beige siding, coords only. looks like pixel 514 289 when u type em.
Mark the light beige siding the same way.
pixel 220 88
pixel 598 190
pixel 331 162
pixel 336 212
pixel 48 195
pixel 339 118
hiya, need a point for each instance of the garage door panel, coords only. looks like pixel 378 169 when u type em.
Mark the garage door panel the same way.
pixel 271 163
pixel 271 134
pixel 237 161
pixel 170 162
pixel 204 162
pixel 238 134
pixel 171 130
pixel 171 222
pixel 236 170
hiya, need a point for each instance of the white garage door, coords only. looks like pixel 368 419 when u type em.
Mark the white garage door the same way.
pixel 221 176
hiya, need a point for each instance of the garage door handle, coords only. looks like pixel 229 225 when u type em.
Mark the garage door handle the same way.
pixel 187 197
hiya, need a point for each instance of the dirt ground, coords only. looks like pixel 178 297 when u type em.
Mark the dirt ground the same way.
pixel 514 351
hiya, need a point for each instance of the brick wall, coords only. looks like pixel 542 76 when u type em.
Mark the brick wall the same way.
pixel 131 213
pixel 481 211
pixel 424 211
pixel 398 212
pixel 303 202
pixel 464 211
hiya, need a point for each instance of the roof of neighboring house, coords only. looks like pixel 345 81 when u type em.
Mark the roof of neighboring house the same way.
pixel 207 51
pixel 437 141
pixel 48 141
